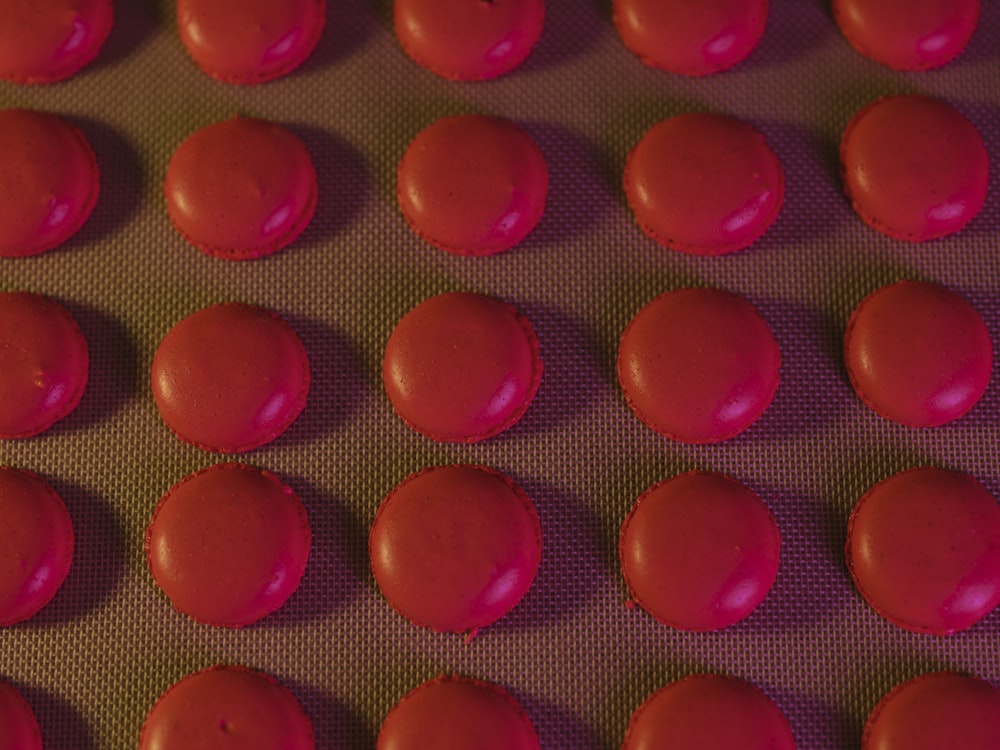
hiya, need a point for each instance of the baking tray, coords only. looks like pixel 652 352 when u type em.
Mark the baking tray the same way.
pixel 94 661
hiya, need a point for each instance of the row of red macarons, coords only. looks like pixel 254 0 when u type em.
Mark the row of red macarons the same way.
pixel 248 42
pixel 248 708
pixel 697 365
pixel 455 548
pixel 913 166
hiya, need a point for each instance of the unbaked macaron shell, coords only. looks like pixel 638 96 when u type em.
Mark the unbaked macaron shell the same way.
pixel 698 365
pixel 934 711
pixel 912 35
pixel 229 544
pixel 43 41
pixel 20 729
pixel 44 364
pixel 227 707
pixel 241 188
pixel 455 548
pixel 37 549
pixel 50 183
pixel 704 184
pixel 472 184
pixel 708 712
pixel 230 378
pixel 457 712
pixel 699 551
pixel 250 41
pixel 468 41
pixel 923 549
pixel 918 353
pixel 914 167
pixel 461 367
pixel 692 39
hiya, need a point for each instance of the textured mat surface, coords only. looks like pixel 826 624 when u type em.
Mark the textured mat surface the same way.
pixel 94 661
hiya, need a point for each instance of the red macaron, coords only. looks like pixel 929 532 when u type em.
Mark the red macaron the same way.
pixel 912 35
pixel 918 353
pixel 44 41
pixel 241 189
pixel 934 711
pixel 704 184
pixel 462 367
pixel 472 185
pixel 227 706
pixel 457 712
pixel 468 41
pixel 250 41
pixel 699 551
pixel 455 548
pixel 230 378
pixel 229 544
pixel 692 39
pixel 51 181
pixel 698 365
pixel 708 712
pixel 923 549
pixel 914 167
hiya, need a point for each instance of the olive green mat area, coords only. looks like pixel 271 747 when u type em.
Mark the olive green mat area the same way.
pixel 94 661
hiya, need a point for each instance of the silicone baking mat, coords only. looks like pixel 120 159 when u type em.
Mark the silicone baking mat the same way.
pixel 94 661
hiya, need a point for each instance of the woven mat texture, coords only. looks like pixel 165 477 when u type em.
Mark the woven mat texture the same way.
pixel 94 661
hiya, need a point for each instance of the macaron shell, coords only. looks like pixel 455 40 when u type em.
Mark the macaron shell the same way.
pixel 49 182
pixel 44 364
pixel 918 353
pixel 43 41
pixel 933 711
pixel 704 184
pixel 230 377
pixel 699 551
pixel 698 365
pixel 708 712
pixel 908 34
pixel 461 367
pixel 20 729
pixel 228 545
pixel 914 167
pixel 37 549
pixel 227 707
pixel 241 189
pixel 455 548
pixel 451 713
pixel 691 37
pixel 250 41
pixel 923 549
pixel 472 185
pixel 468 41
